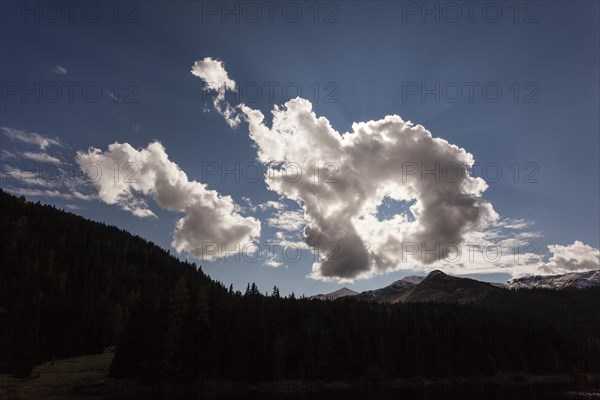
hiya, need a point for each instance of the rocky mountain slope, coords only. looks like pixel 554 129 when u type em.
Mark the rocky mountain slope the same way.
pixel 574 280
pixel 440 287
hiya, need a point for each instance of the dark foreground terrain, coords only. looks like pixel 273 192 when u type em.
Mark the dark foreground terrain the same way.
pixel 70 288
pixel 86 377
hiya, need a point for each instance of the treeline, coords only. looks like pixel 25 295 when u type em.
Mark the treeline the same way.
pixel 203 333
pixel 69 286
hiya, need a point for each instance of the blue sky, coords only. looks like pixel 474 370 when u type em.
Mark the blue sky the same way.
pixel 361 61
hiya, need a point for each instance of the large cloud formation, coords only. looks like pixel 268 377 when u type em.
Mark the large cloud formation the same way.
pixel 122 173
pixel 341 179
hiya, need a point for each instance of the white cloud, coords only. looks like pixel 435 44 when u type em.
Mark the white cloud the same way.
pixel 504 246
pixel 49 171
pixel 209 217
pixel 292 240
pixel 213 72
pixel 30 178
pixel 287 220
pixel 47 193
pixel 7 154
pixel 215 78
pixel 273 263
pixel 577 257
pixel 41 157
pixel 30 137
pixel 60 70
pixel 289 224
pixel 276 205
pixel 355 172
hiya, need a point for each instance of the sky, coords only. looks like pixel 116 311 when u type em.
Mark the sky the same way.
pixel 297 137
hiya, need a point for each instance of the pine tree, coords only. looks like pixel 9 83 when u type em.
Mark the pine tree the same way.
pixel 275 292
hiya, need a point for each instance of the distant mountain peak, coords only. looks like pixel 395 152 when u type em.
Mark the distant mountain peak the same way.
pixel 441 287
pixel 412 279
pixel 436 272
pixel 343 292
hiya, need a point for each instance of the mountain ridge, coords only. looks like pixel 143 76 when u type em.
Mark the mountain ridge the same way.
pixel 571 280
pixel 462 289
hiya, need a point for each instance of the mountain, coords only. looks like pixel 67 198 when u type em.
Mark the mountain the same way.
pixel 414 279
pixel 343 292
pixel 386 294
pixel 574 280
pixel 392 291
pixel 439 287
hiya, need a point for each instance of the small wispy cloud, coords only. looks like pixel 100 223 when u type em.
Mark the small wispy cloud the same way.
pixel 32 138
pixel 40 156
pixel 113 96
pixel 276 205
pixel 48 193
pixel 60 70
pixel 288 220
pixel 5 154
pixel 44 170
pixel 29 178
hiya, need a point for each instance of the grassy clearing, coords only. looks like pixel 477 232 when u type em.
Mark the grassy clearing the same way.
pixel 61 379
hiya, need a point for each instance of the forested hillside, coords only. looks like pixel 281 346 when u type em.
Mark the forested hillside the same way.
pixel 70 286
